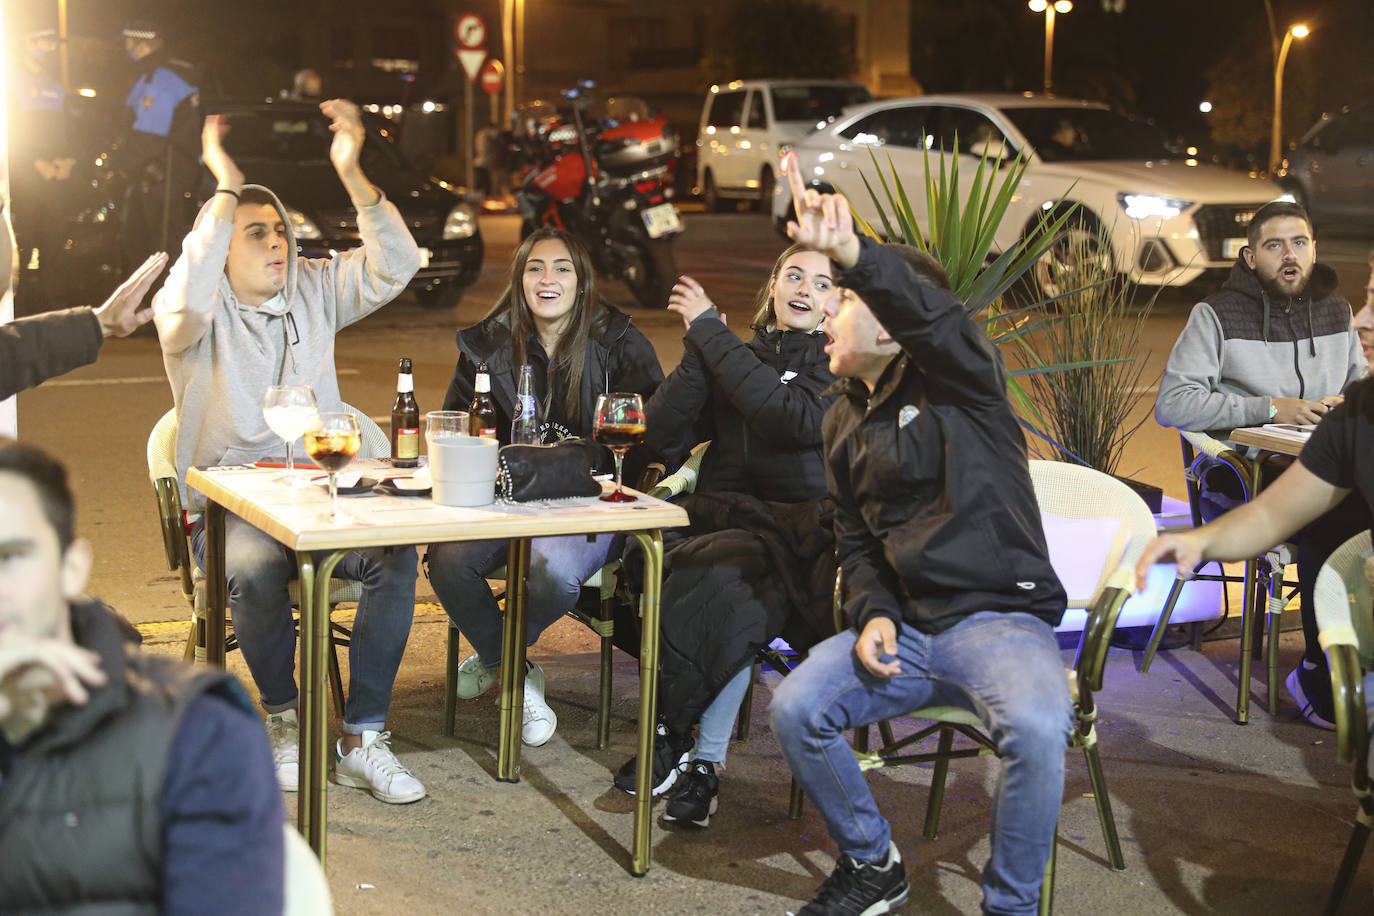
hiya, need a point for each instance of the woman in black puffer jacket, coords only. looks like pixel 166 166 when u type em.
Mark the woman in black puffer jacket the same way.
pixel 757 559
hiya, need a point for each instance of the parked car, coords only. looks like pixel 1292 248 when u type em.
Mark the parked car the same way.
pixel 1331 171
pixel 1168 218
pixel 285 146
pixel 743 124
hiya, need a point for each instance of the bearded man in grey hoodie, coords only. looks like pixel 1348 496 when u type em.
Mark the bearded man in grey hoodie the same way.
pixel 1273 345
pixel 240 312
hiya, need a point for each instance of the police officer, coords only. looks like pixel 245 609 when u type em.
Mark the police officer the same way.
pixel 162 146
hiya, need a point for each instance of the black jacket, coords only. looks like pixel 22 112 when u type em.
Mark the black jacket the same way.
pixel 765 432
pixel 935 516
pixel 41 346
pixel 619 358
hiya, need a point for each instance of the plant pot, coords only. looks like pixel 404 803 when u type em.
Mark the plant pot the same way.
pixel 1153 495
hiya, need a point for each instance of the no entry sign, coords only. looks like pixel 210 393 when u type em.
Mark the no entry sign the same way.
pixel 493 75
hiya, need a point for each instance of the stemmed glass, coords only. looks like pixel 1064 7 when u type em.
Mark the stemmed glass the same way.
pixel 287 410
pixel 332 441
pixel 619 424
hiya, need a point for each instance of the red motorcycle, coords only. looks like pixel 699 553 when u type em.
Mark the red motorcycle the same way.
pixel 603 174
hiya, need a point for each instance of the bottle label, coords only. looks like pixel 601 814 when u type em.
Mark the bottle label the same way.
pixel 405 382
pixel 487 432
pixel 528 407
pixel 407 443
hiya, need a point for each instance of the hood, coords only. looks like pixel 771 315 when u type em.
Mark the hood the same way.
pixel 1168 177
pixel 279 305
pixel 1243 282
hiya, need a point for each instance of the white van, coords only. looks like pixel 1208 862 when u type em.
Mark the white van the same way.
pixel 744 122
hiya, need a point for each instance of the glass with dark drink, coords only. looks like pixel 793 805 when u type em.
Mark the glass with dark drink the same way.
pixel 332 441
pixel 619 425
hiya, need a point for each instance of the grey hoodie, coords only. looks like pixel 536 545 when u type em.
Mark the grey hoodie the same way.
pixel 1239 349
pixel 222 356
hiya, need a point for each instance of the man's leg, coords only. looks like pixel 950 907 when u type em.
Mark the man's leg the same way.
pixel 380 630
pixel 1010 672
pixel 257 571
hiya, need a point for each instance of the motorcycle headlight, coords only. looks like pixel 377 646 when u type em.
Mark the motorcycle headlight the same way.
pixel 1151 206
pixel 461 223
pixel 301 226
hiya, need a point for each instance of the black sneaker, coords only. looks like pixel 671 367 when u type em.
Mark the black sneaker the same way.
pixel 670 759
pixel 695 800
pixel 857 888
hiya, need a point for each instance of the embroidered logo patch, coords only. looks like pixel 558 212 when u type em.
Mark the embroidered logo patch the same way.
pixel 906 415
pixel 787 376
pixel 1026 586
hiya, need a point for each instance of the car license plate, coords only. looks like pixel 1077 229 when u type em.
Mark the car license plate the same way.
pixel 661 220
pixel 424 258
pixel 1230 248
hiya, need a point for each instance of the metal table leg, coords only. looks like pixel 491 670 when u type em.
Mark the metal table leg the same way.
pixel 216 584
pixel 652 542
pixel 314 693
pixel 513 662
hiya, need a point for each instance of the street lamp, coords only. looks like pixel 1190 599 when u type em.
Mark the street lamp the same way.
pixel 1049 9
pixel 1297 31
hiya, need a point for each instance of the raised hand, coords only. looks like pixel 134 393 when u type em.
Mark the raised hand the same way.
pixel 120 315
pixel 227 173
pixel 689 300
pixel 346 121
pixel 823 221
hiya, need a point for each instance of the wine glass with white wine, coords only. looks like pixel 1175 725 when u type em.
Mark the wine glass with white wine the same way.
pixel 287 410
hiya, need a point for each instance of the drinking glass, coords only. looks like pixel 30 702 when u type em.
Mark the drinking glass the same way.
pixel 332 441
pixel 444 423
pixel 287 410
pixel 619 424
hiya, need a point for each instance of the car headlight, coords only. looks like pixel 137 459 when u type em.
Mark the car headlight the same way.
pixel 301 226
pixel 1147 206
pixel 461 223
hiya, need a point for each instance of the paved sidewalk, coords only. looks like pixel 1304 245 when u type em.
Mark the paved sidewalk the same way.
pixel 1214 817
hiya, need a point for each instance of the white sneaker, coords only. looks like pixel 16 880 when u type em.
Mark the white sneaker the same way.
pixel 540 721
pixel 375 768
pixel 474 678
pixel 284 735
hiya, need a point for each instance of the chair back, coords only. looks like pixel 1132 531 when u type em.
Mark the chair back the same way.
pixel 307 891
pixel 162 472
pixel 1344 600
pixel 1071 491
pixel 376 443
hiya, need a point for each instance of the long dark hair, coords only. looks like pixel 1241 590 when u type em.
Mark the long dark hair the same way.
pixel 589 315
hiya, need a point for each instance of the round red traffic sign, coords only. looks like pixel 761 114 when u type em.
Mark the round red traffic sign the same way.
pixel 492 76
pixel 470 30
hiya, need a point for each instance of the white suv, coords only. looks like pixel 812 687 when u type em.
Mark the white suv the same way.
pixel 744 122
pixel 1169 218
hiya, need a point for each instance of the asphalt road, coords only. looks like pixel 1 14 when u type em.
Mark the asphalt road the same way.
pixel 98 418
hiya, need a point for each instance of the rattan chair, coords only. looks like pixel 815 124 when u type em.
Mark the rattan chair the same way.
pixel 1263 575
pixel 1345 619
pixel 162 471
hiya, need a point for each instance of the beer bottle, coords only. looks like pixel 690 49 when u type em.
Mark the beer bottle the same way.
pixel 482 412
pixel 524 426
pixel 405 420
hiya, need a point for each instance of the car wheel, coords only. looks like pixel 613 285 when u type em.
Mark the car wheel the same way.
pixel 1078 256
pixel 766 183
pixel 709 196
pixel 440 296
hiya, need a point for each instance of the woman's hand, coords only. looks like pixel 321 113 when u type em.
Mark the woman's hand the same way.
pixel 226 171
pixel 689 300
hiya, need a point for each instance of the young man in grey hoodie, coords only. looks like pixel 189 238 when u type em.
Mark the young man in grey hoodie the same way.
pixel 240 312
pixel 1273 345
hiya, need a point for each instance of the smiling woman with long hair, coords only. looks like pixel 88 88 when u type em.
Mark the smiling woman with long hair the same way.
pixel 550 318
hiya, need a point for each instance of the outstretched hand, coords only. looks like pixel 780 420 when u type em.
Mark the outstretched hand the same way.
pixel 226 171
pixel 823 221
pixel 1183 549
pixel 120 315
pixel 689 300
pixel 346 121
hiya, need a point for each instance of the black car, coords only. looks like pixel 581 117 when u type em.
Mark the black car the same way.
pixel 1331 171
pixel 285 146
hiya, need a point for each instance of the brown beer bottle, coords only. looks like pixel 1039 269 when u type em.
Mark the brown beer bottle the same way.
pixel 405 420
pixel 482 412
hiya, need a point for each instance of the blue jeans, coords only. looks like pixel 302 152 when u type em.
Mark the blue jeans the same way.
pixel 558 566
pixel 1005 667
pixel 718 721
pixel 258 569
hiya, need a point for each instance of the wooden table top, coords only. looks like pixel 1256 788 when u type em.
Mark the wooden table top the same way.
pixel 299 517
pixel 1271 440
